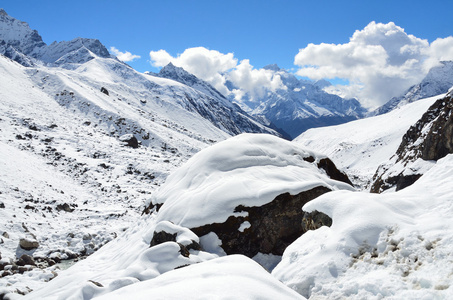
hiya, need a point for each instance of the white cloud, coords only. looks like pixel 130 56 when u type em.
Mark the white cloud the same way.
pixel 380 61
pixel 216 68
pixel 124 56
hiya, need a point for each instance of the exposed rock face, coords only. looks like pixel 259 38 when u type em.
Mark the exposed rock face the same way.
pixel 129 140
pixel 270 228
pixel 329 167
pixel 430 139
pixel 315 220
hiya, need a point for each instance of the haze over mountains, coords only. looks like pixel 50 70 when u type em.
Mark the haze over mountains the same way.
pixel 157 185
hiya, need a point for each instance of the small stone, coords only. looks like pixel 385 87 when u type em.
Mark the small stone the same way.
pixel 104 90
pixel 25 260
pixel 28 244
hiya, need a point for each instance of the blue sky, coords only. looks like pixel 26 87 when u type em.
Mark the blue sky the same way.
pixel 264 32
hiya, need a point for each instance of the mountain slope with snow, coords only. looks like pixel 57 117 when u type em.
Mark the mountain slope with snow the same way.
pixel 215 107
pixel 438 81
pixel 359 147
pixel 69 112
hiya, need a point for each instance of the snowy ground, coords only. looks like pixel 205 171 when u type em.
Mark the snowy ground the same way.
pixel 67 181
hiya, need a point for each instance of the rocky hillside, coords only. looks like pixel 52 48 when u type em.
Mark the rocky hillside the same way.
pixel 429 140
pixel 359 147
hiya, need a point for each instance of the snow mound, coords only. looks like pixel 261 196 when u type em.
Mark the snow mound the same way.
pixel 378 245
pixel 230 277
pixel 249 170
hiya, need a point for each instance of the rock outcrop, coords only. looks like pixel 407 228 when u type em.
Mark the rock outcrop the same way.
pixel 430 139
pixel 267 229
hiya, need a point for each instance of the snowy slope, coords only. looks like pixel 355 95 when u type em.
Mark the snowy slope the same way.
pixel 301 104
pixel 63 163
pixel 438 81
pixel 395 245
pixel 265 165
pixel 65 113
pixel 359 147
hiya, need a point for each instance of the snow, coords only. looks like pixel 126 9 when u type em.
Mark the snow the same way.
pixel 248 169
pixel 68 183
pixel 394 245
pixel 359 147
pixel 231 277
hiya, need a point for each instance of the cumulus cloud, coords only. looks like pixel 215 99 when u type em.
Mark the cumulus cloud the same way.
pixel 217 68
pixel 253 81
pixel 123 56
pixel 209 65
pixel 380 61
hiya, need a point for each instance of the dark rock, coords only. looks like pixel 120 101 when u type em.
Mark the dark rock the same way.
pixel 2 205
pixel 6 273
pixel 162 237
pixel 151 207
pixel 327 165
pixel 96 283
pixel 23 269
pixel 315 220
pixel 28 244
pixel 65 207
pixel 105 91
pixel 273 226
pixel 25 260
pixel 129 140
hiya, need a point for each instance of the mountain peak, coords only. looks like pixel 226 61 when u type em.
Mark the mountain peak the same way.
pixel 171 71
pixel 18 34
pixel 272 67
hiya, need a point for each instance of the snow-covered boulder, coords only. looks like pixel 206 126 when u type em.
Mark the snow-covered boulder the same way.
pixel 249 191
pixel 430 139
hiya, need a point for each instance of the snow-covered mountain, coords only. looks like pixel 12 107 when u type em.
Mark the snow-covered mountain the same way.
pixel 438 81
pixel 85 139
pixel 126 178
pixel 301 104
pixel 215 107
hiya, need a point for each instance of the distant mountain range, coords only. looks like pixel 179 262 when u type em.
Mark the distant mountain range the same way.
pixel 26 47
pixel 301 104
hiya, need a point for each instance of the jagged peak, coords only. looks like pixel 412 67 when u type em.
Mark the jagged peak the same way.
pixel 3 12
pixel 272 67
